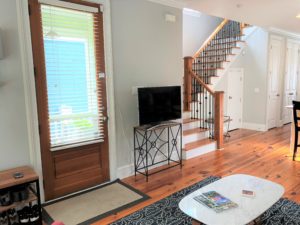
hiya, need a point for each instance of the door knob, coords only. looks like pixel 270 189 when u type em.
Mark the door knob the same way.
pixel 230 97
pixel 291 93
pixel 278 95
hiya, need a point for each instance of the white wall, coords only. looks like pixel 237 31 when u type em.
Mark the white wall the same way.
pixel 147 51
pixel 255 64
pixel 196 29
pixel 14 149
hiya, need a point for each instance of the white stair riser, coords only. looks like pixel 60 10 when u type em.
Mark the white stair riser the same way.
pixel 194 137
pixel 213 80
pixel 191 125
pixel 219 72
pixel 186 115
pixel 241 44
pixel 236 51
pixel 199 151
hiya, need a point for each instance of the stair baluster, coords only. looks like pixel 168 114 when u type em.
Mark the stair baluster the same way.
pixel 203 103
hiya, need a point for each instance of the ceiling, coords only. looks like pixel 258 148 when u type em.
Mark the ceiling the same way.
pixel 280 14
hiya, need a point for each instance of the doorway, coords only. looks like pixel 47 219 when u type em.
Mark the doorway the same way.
pixel 235 97
pixel 68 53
pixel 274 77
pixel 290 83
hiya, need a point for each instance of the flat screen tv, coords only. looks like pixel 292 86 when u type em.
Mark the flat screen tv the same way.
pixel 159 104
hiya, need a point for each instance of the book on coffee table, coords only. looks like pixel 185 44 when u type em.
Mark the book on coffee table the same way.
pixel 215 201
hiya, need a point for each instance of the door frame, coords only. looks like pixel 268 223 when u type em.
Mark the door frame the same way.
pixel 290 40
pixel 293 41
pixel 30 91
pixel 281 68
pixel 242 93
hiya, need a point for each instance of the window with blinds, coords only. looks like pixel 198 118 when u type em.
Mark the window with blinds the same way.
pixel 73 85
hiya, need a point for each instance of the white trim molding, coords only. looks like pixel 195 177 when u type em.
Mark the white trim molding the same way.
pixel 29 88
pixel 191 12
pixel 128 170
pixel 172 3
pixel 254 126
pixel 125 171
pixel 30 92
pixel 284 32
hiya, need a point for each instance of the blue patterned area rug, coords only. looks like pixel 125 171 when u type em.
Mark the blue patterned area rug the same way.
pixel 167 212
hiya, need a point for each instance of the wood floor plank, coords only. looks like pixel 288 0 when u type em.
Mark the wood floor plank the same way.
pixel 262 154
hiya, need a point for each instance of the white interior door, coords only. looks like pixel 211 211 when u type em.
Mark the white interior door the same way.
pixel 235 97
pixel 275 53
pixel 290 84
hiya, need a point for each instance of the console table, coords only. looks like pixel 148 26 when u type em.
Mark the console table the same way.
pixel 155 145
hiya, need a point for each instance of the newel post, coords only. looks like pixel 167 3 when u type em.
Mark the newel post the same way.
pixel 188 63
pixel 219 118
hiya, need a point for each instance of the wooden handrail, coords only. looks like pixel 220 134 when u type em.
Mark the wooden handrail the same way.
pixel 208 40
pixel 199 80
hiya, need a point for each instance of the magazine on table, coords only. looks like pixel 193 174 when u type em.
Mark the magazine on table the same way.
pixel 215 201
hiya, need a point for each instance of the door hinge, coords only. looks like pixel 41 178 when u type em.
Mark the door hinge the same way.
pixel 29 10
pixel 40 129
pixel 43 183
pixel 34 71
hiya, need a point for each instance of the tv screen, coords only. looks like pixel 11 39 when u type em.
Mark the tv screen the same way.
pixel 159 104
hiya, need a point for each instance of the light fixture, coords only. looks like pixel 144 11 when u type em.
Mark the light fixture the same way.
pixel 1 47
pixel 298 16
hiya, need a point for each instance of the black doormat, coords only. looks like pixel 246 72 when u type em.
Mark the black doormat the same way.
pixel 92 205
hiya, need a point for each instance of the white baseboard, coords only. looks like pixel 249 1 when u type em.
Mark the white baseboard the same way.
pixel 125 171
pixel 255 126
pixel 128 170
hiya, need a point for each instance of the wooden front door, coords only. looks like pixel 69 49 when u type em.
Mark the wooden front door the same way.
pixel 68 52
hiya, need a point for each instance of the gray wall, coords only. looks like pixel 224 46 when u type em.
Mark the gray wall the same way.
pixel 14 149
pixel 147 51
pixel 255 64
pixel 196 29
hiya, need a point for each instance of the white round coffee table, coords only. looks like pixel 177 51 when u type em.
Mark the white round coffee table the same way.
pixel 267 193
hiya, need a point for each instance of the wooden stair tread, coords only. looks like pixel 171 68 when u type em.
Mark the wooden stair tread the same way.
pixel 194 131
pixel 208 76
pixel 220 49
pixel 189 120
pixel 219 55
pixel 228 42
pixel 217 61
pixel 209 69
pixel 222 38
pixel 197 144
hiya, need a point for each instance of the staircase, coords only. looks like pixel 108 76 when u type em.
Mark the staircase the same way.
pixel 203 118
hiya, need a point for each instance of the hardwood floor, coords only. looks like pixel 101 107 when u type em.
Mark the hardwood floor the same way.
pixel 262 154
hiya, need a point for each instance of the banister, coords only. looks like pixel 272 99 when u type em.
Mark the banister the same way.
pixel 201 82
pixel 208 40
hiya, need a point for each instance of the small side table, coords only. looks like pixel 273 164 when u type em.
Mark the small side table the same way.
pixel 30 178
pixel 155 145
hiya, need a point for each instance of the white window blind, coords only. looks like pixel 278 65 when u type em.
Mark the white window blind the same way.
pixel 74 90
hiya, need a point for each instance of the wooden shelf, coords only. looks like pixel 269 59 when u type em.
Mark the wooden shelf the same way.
pixel 7 180
pixel 32 197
